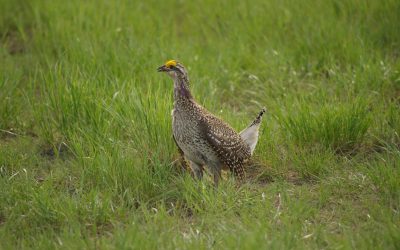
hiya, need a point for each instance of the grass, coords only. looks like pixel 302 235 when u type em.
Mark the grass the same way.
pixel 341 127
pixel 87 158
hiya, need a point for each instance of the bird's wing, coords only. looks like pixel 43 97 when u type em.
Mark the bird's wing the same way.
pixel 230 148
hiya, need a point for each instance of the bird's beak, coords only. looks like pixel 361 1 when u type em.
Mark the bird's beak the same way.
pixel 162 69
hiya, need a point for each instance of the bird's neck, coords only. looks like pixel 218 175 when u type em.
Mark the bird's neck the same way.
pixel 181 88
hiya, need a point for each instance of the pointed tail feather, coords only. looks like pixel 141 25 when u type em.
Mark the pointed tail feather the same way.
pixel 250 134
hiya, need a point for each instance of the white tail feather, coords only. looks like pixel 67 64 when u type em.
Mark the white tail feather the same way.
pixel 250 134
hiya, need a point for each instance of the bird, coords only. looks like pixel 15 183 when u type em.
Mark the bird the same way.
pixel 206 141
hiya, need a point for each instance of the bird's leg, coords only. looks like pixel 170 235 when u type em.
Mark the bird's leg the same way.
pixel 182 156
pixel 217 175
pixel 197 170
pixel 215 170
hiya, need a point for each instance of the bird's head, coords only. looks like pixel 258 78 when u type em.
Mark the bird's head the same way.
pixel 174 69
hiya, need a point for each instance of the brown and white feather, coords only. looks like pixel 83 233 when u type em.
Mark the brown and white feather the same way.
pixel 204 139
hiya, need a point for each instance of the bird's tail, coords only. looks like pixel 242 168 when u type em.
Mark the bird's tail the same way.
pixel 250 134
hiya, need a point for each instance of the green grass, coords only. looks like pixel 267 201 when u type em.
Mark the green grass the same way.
pixel 87 158
pixel 337 126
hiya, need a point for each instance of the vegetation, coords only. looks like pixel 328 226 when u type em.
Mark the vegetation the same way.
pixel 87 158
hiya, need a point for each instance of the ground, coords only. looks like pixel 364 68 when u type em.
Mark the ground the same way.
pixel 87 158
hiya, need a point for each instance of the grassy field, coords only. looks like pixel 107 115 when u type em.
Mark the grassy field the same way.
pixel 87 158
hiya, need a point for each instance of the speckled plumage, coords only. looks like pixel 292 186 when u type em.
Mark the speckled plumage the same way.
pixel 204 139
